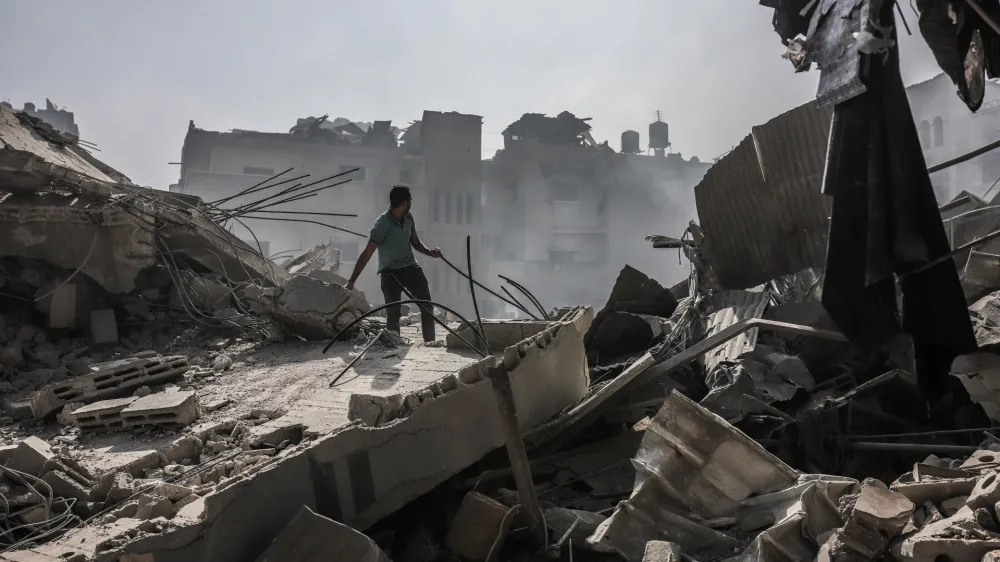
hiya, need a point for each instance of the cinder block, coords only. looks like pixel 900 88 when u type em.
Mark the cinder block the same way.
pixel 114 379
pixel 102 415
pixel 477 524
pixel 30 456
pixel 162 408
pixel 103 326
pixel 986 493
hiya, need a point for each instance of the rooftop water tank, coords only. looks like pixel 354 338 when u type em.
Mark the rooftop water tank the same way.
pixel 630 142
pixel 659 135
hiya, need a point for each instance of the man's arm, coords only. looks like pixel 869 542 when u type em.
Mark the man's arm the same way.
pixel 366 255
pixel 419 246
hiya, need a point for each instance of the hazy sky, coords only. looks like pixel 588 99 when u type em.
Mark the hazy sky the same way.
pixel 136 72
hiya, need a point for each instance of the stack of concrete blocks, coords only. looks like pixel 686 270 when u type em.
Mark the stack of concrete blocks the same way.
pixel 169 408
pixel 113 379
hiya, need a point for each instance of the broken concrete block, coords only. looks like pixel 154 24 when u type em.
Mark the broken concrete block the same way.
pixel 955 538
pixel 151 507
pixel 129 509
pixel 935 491
pixel 878 516
pixel 661 551
pixel 172 492
pixel 17 409
pixel 186 501
pixel 103 326
pixel 119 488
pixel 30 456
pixel 222 363
pixel 64 486
pixel 179 408
pixel 274 433
pixel 476 525
pixel 187 447
pixel 879 508
pixel 308 307
pixel 105 414
pixel 113 379
pixel 986 493
pixel 993 556
pixel 951 506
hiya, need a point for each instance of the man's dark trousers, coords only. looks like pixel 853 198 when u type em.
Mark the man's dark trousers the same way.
pixel 412 277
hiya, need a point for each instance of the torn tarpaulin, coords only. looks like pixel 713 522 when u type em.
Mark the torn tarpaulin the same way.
pixel 885 220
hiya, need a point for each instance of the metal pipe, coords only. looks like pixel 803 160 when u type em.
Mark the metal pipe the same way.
pixel 965 157
pixel 249 217
pixel 918 448
pixel 308 213
pixel 274 177
pixel 425 310
pixel 255 203
pixel 500 379
pixel 414 301
pixel 358 357
pixel 485 288
pixel 521 306
pixel 472 290
pixel 528 294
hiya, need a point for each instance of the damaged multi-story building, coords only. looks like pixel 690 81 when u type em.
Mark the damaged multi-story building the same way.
pixel 947 129
pixel 61 120
pixel 562 204
pixel 438 157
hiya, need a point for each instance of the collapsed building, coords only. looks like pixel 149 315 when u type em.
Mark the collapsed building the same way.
pixel 438 157
pixel 559 203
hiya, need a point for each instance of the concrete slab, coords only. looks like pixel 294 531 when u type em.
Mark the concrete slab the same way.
pixel 177 408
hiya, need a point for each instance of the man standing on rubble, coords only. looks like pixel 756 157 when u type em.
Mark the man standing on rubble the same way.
pixel 395 236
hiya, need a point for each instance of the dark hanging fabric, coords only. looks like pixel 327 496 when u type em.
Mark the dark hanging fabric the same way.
pixel 885 223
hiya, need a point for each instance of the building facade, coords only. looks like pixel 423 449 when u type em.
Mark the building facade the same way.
pixel 434 158
pixel 948 129
pixel 565 217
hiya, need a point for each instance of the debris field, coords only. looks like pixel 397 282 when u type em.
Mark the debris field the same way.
pixel 824 385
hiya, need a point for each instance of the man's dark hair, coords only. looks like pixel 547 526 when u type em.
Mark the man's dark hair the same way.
pixel 398 195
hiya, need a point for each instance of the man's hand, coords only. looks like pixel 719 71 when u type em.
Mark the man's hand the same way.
pixel 435 253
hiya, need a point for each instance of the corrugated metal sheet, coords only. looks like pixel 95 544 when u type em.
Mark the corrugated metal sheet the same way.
pixel 761 206
pixel 728 308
